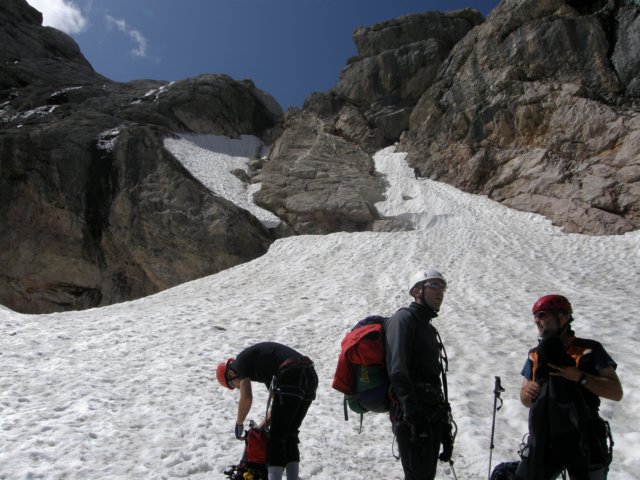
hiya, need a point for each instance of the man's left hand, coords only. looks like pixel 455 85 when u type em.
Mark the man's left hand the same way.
pixel 447 442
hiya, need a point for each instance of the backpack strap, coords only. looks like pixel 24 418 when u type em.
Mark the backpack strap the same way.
pixel 444 365
pixel 344 404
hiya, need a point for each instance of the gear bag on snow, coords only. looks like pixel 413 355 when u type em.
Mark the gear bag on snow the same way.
pixel 361 374
pixel 504 471
pixel 253 464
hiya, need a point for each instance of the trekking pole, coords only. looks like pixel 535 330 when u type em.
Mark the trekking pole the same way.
pixel 497 390
pixel 453 471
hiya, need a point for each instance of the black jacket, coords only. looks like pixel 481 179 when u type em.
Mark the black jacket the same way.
pixel 412 357
pixel 260 362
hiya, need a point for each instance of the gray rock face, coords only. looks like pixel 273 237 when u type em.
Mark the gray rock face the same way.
pixel 625 58
pixel 317 182
pixel 97 223
pixel 93 209
pixel 536 109
pixel 397 61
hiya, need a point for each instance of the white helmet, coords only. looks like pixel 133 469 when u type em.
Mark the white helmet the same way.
pixel 422 275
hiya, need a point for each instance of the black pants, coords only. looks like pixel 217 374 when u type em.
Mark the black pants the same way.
pixel 295 390
pixel 419 456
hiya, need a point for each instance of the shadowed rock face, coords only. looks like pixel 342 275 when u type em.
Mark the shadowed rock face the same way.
pixel 93 209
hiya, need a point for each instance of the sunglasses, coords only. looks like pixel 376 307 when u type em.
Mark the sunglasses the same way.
pixel 230 378
pixel 435 285
pixel 540 315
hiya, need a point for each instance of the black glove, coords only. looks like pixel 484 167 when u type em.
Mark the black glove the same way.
pixel 449 431
pixel 239 431
pixel 417 426
pixel 447 444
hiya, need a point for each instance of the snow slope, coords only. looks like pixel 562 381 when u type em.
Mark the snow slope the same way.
pixel 129 392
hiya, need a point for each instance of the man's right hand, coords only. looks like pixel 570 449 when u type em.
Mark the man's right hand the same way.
pixel 417 427
pixel 239 431
pixel 529 392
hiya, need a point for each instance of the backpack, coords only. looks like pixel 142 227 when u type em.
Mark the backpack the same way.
pixel 504 471
pixel 253 464
pixel 361 374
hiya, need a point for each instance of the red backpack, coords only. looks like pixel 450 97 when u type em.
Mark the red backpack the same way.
pixel 253 465
pixel 361 374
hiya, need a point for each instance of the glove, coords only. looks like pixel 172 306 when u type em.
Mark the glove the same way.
pixel 447 448
pixel 447 442
pixel 239 431
pixel 417 426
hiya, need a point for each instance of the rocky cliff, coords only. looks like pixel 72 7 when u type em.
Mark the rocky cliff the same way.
pixel 320 177
pixel 536 106
pixel 538 109
pixel 93 208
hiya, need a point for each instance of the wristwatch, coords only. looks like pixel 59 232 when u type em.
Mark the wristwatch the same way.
pixel 584 379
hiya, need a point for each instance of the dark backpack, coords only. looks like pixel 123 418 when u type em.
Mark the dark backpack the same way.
pixel 564 430
pixel 361 374
pixel 504 471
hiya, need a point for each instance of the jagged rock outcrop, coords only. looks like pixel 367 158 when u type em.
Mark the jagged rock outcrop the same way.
pixel 320 176
pixel 33 54
pixel 538 108
pixel 397 61
pixel 318 182
pixel 94 210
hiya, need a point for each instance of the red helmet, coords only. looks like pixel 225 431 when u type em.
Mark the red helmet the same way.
pixel 221 374
pixel 551 303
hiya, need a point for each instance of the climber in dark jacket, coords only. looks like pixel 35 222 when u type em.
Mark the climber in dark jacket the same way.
pixel 413 360
pixel 564 379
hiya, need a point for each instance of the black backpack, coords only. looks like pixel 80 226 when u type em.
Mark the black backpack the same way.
pixel 504 471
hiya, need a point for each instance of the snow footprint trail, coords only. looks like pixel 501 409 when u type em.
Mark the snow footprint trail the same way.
pixel 431 206
pixel 443 216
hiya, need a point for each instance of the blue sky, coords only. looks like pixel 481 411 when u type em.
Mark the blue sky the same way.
pixel 289 48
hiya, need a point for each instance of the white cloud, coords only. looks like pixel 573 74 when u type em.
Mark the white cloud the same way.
pixel 64 15
pixel 139 39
